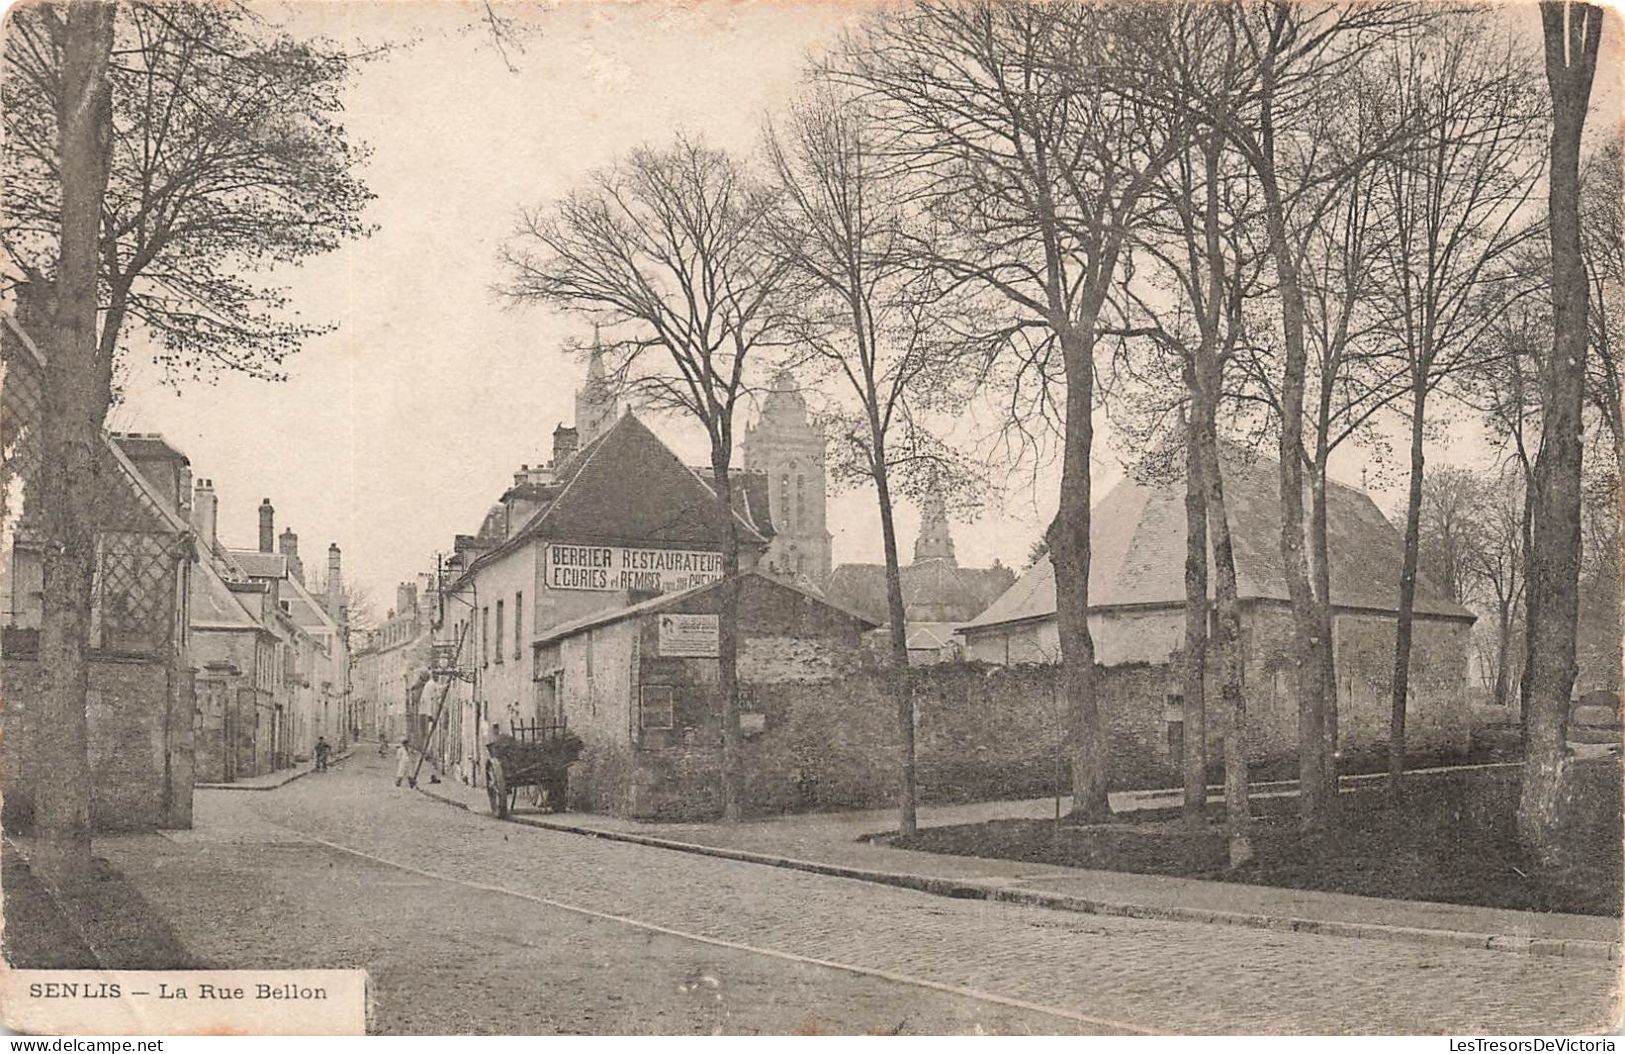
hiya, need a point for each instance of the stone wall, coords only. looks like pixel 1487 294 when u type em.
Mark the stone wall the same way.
pixel 1438 720
pixel 980 734
pixel 141 760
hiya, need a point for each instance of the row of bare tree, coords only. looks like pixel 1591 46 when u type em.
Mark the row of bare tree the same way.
pixel 1304 222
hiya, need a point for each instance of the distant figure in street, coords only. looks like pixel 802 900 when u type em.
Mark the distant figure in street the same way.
pixel 322 750
pixel 403 764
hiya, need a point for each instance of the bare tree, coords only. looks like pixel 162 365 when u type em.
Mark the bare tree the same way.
pixel 181 148
pixel 1573 34
pixel 1203 246
pixel 1282 61
pixel 1011 119
pixel 849 230
pixel 1450 197
pixel 672 250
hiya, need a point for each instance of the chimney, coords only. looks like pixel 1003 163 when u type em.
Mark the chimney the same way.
pixel 205 508
pixel 406 599
pixel 566 441
pixel 290 549
pixel 335 582
pixel 267 525
pixel 183 489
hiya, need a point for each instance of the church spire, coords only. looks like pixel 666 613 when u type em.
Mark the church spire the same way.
pixel 596 405
pixel 935 542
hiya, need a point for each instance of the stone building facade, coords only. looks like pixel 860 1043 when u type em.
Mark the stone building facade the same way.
pixel 391 666
pixel 140 700
pixel 313 629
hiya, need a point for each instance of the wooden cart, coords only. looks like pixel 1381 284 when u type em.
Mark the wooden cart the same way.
pixel 536 761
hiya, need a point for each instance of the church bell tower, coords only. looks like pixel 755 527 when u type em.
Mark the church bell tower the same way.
pixel 785 447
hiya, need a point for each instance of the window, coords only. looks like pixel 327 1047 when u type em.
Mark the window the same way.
pixel 485 636
pixel 518 625
pixel 500 635
pixel 1173 721
pixel 784 501
pixel 801 500
pixel 655 707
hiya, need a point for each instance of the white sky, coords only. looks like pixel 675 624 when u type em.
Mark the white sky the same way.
pixel 400 429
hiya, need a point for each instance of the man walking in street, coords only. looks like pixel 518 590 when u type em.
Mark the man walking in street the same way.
pixel 322 750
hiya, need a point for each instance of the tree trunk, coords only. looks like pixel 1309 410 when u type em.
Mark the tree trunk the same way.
pixel 1530 616
pixel 75 407
pixel 1320 556
pixel 1309 673
pixel 1407 600
pixel 1227 642
pixel 1305 624
pixel 1572 34
pixel 902 683
pixel 733 774
pixel 1194 716
pixel 1503 651
pixel 1069 550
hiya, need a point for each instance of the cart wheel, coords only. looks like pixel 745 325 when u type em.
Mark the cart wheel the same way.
pixel 496 788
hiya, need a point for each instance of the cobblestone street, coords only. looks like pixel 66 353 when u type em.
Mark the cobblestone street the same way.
pixel 470 924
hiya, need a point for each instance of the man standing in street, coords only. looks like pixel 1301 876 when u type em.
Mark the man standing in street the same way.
pixel 403 764
pixel 322 750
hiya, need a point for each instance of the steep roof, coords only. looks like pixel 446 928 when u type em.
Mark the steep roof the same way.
pixel 750 495
pixel 213 605
pixel 305 610
pixel 626 487
pixel 1137 535
pixel 258 564
pixel 631 488
pixel 934 590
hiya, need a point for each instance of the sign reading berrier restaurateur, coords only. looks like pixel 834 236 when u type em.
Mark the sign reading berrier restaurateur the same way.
pixel 610 568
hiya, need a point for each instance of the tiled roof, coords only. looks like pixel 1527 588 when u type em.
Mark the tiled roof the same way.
pixel 627 486
pixel 257 564
pixel 212 605
pixel 935 590
pixel 750 496
pixel 1137 534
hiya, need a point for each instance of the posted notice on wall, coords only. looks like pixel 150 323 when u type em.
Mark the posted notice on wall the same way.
pixel 184 1002
pixel 689 636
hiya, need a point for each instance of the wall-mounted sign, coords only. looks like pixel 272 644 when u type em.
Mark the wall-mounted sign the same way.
pixel 611 568
pixel 689 636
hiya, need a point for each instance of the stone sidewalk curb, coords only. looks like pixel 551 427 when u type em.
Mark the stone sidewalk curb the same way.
pixel 295 774
pixel 966 889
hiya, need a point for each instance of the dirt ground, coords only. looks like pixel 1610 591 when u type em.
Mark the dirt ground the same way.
pixel 1453 840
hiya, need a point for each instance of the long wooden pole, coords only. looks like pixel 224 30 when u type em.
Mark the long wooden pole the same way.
pixel 439 708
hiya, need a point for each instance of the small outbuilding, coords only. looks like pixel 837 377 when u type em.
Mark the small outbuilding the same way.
pixel 639 685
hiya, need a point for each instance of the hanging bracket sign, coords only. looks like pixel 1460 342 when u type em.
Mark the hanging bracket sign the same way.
pixel 613 568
